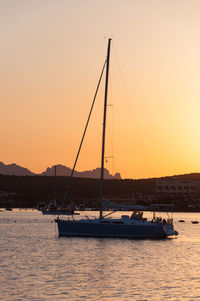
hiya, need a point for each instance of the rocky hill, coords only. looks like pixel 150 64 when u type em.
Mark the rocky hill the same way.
pixel 61 170
pixel 14 170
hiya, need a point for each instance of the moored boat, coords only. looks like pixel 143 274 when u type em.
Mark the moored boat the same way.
pixel 134 226
pixel 124 227
pixel 60 212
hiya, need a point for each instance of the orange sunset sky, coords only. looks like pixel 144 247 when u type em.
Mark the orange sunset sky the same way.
pixel 51 57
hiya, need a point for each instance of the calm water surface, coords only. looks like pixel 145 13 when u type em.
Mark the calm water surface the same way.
pixel 35 264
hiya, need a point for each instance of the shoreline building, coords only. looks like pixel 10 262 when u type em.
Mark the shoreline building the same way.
pixel 176 186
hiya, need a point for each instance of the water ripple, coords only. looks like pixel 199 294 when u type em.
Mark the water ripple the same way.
pixel 37 265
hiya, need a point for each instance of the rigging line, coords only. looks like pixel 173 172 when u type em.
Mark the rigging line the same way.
pixel 72 172
pixel 146 161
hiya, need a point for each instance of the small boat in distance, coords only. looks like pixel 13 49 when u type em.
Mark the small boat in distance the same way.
pixel 8 209
pixel 134 226
pixel 52 208
pixel 41 206
pixel 60 212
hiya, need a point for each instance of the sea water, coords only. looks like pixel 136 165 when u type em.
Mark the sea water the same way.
pixel 36 264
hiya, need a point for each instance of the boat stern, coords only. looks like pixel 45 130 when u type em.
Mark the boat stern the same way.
pixel 169 229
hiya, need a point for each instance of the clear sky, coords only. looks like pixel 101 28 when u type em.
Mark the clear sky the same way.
pixel 51 56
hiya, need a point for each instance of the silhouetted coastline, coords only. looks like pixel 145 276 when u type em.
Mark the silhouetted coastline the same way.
pixel 27 192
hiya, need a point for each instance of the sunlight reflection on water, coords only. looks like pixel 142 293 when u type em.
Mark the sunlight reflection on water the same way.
pixel 35 264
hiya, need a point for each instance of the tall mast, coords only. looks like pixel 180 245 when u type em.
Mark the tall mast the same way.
pixel 104 130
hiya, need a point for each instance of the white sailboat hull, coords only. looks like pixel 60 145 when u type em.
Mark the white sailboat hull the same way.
pixel 116 229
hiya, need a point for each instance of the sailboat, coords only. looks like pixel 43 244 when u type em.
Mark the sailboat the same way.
pixel 52 208
pixel 134 226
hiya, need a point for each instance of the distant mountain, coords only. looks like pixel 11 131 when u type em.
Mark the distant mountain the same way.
pixel 61 170
pixel 14 170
